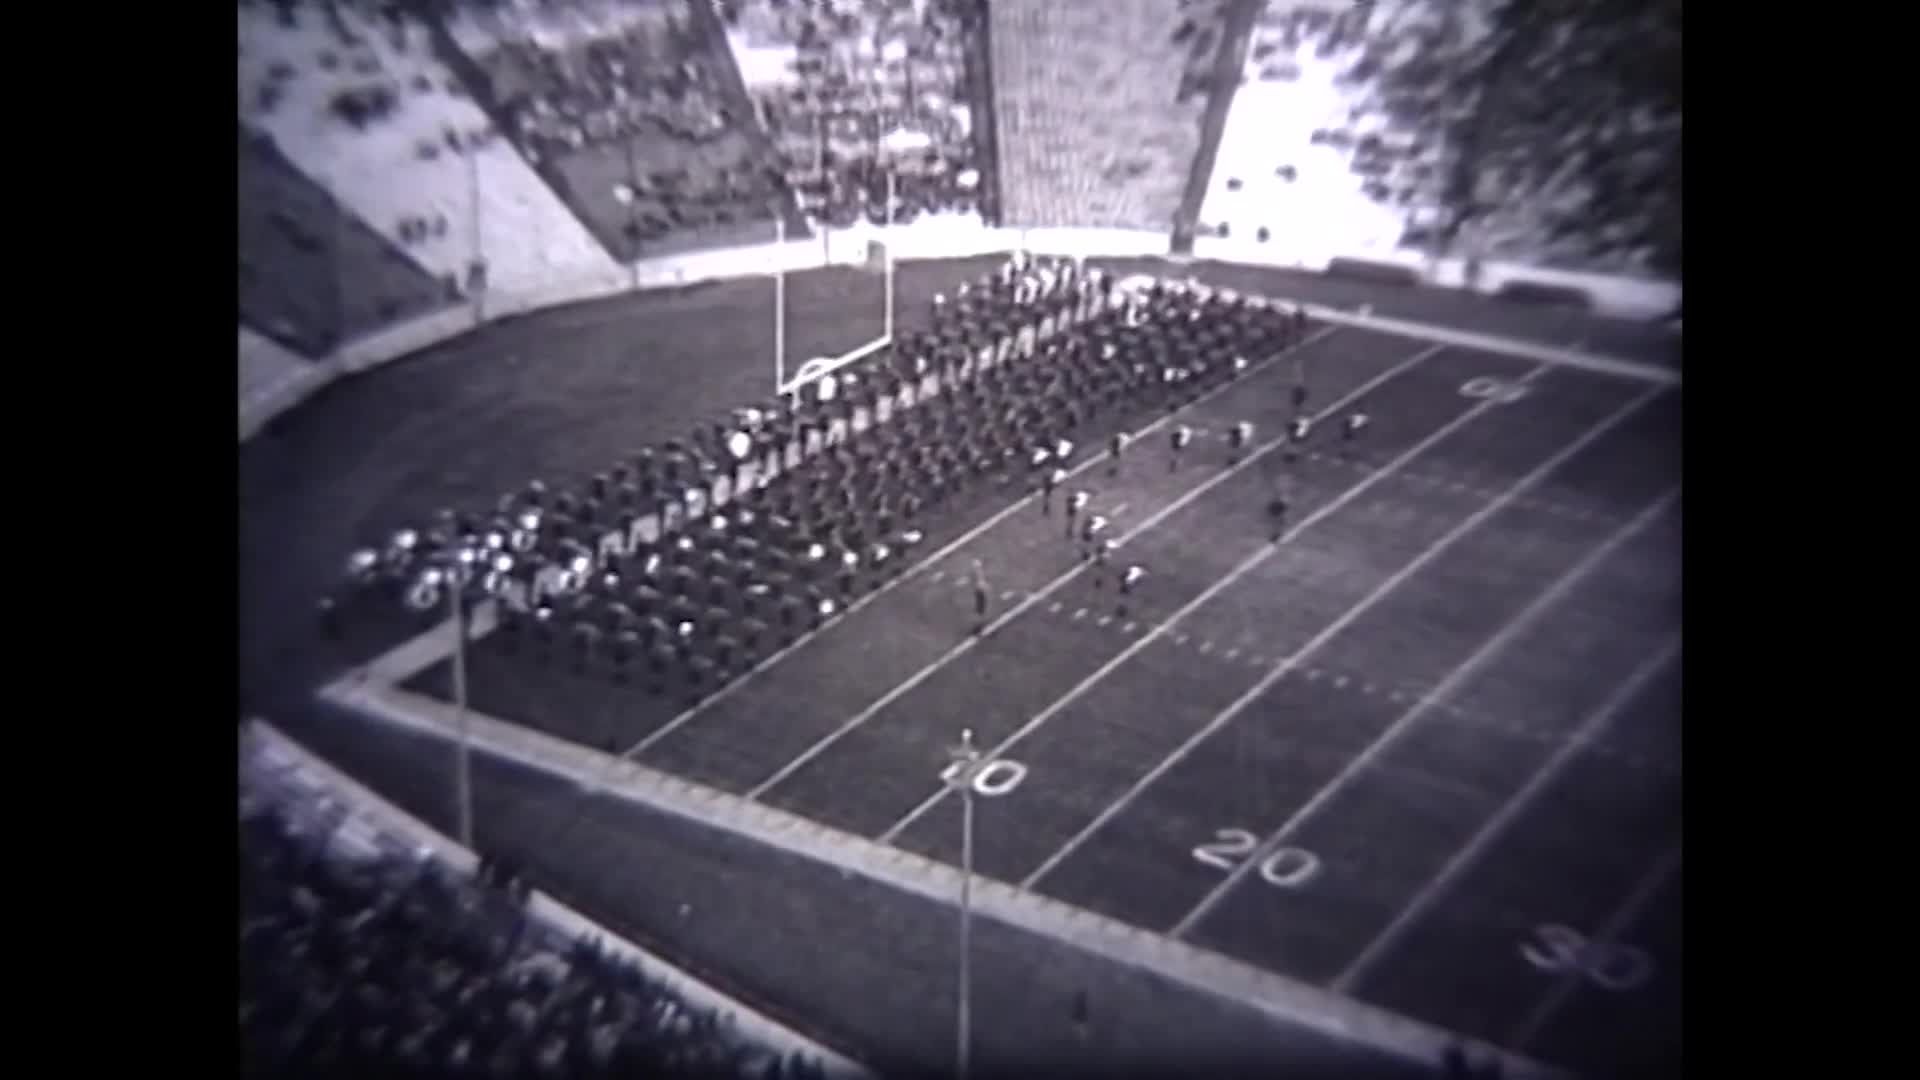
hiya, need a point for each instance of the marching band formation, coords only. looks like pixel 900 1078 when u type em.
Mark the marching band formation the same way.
pixel 683 565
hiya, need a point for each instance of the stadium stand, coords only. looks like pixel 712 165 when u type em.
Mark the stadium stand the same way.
pixel 629 111
pixel 850 91
pixel 1304 163
pixel 355 98
pixel 360 951
pixel 1100 108
pixel 311 275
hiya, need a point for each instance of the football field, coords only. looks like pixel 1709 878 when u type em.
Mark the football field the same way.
pixel 1421 754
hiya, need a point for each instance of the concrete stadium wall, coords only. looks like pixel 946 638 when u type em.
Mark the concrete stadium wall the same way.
pixel 277 751
pixel 270 384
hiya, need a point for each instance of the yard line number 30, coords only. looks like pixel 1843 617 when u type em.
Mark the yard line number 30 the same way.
pixel 1562 950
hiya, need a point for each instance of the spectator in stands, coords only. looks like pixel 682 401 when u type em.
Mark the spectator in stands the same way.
pixel 357 962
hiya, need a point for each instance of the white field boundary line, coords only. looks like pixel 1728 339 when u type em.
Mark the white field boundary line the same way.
pixel 966 644
pixel 930 561
pixel 1609 933
pixel 1467 339
pixel 1466 669
pixel 1496 826
pixel 1246 565
pixel 1280 998
pixel 413 656
pixel 754 1026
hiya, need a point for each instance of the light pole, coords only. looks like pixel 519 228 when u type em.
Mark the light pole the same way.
pixel 966 765
pixel 463 766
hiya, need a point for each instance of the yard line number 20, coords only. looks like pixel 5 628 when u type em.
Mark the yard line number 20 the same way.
pixel 1285 868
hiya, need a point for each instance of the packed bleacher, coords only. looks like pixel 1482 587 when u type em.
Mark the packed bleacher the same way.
pixel 1100 108
pixel 1374 128
pixel 633 113
pixel 674 571
pixel 310 274
pixel 360 954
pixel 363 150
pixel 851 91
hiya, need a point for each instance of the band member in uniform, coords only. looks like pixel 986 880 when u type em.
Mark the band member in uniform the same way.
pixel 1238 438
pixel 1048 483
pixel 980 596
pixel 1352 427
pixel 1118 444
pixel 1090 533
pixel 1177 441
pixel 1297 430
pixel 1129 580
pixel 1277 513
pixel 1076 502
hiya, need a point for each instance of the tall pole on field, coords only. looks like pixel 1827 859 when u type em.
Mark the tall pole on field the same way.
pixel 966 763
pixel 463 768
pixel 780 300
pixel 887 236
pixel 479 251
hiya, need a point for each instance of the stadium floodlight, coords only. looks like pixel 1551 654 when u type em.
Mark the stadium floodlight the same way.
pixel 961 774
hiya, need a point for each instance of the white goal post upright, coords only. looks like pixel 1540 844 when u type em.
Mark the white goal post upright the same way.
pixel 819 366
pixel 886 239
pixel 780 300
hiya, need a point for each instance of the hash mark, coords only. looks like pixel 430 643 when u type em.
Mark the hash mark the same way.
pixel 1130 628
pixel 1055 609
pixel 1105 619
pixel 937 575
pixel 1206 647
pixel 1230 654
pixel 1079 613
pixel 1008 594
pixel 1339 681
pixel 1313 673
pixel 1179 639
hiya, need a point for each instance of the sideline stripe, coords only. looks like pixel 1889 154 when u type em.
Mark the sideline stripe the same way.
pixel 1467 339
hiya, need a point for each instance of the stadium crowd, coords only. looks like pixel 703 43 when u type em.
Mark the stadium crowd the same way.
pixel 678 569
pixel 875 87
pixel 385 962
pixel 633 112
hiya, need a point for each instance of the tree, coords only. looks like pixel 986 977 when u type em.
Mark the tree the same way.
pixel 1561 117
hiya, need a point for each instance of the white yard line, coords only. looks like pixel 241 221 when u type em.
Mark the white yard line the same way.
pixel 1197 602
pixel 1467 857
pixel 923 565
pixel 1057 583
pixel 1454 678
pixel 1608 934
